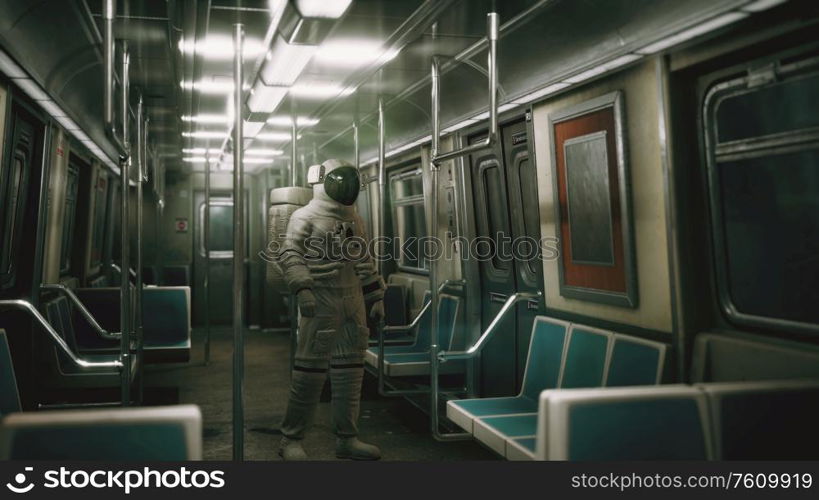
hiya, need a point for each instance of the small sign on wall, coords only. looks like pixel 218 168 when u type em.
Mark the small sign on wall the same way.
pixel 182 225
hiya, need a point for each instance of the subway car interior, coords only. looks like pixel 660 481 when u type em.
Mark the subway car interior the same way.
pixel 596 222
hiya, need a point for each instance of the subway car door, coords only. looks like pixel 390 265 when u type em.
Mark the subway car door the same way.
pixel 497 272
pixel 521 182
pixel 20 193
pixel 220 284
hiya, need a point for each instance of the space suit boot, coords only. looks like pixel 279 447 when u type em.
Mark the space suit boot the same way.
pixel 291 450
pixel 352 448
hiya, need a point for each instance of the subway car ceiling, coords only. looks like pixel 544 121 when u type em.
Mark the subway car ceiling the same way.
pixel 180 61
pixel 660 154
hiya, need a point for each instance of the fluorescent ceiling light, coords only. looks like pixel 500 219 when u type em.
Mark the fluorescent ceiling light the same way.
pixel 251 129
pixel 761 5
pixel 690 33
pixel 264 99
pixel 285 62
pixel 31 89
pixel 330 9
pixel 501 109
pixel 602 68
pixel 200 151
pixel 197 159
pixel 221 86
pixel 459 125
pixel 220 47
pixel 81 136
pixel 205 134
pixel 67 123
pixel 52 109
pixel 257 161
pixel 273 136
pixel 9 67
pixel 353 53
pixel 286 121
pixel 550 89
pixel 208 118
pixel 318 90
pixel 263 152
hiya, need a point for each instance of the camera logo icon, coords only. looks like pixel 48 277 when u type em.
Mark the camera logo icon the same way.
pixel 20 479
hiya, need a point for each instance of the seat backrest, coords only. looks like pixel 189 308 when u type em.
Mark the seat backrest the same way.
pixel 104 305
pixel 395 305
pixel 666 422
pixel 65 309
pixel 56 316
pixel 448 308
pixel 169 320
pixel 635 361
pixel 586 355
pixel 772 420
pixel 546 349
pixel 176 275
pixel 424 324
pixel 736 357
pixel 169 433
pixel 9 395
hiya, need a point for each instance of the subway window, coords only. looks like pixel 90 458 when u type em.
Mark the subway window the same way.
pixel 100 194
pixel 69 218
pixel 409 217
pixel 14 184
pixel 762 134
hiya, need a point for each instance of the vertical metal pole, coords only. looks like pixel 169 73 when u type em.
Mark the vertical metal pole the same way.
pixel 238 251
pixel 293 145
pixel 382 230
pixel 125 264
pixel 292 310
pixel 356 147
pixel 432 211
pixel 141 168
pixel 206 245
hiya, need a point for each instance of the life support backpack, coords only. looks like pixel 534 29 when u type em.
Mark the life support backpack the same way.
pixel 283 202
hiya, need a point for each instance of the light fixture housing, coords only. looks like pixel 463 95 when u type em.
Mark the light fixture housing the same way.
pixel 285 62
pixel 265 99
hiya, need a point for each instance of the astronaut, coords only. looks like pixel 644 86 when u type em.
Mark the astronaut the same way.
pixel 326 266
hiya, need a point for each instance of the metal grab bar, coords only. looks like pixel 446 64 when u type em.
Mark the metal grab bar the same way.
pixel 102 332
pixel 492 29
pixel 476 348
pixel 417 318
pixel 26 306
pixel 108 15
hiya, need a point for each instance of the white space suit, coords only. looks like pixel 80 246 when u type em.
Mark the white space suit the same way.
pixel 326 267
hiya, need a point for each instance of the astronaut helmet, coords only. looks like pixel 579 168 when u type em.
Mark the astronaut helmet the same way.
pixel 339 180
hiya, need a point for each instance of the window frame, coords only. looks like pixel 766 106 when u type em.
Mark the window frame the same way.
pixel 406 171
pixel 69 222
pixel 759 146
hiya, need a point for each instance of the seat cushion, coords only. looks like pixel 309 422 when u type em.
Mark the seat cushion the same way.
pixel 520 449
pixel 464 411
pixel 495 431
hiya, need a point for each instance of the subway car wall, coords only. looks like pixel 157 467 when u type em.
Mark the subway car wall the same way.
pixel 572 205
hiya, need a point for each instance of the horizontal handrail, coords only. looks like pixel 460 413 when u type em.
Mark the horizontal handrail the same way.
pixel 417 319
pixel 26 306
pixel 102 332
pixel 490 330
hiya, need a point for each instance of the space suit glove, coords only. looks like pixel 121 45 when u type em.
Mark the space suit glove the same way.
pixel 307 302
pixel 377 311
